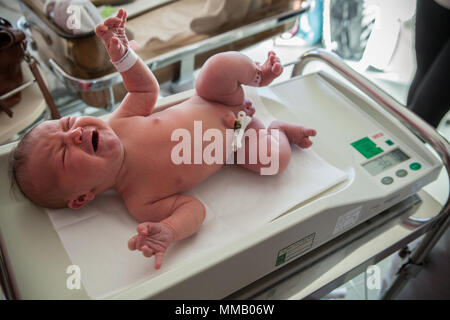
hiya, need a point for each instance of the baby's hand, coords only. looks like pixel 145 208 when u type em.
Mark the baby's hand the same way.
pixel 112 32
pixel 152 239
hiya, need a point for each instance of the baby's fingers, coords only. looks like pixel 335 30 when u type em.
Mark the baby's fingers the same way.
pixel 146 251
pixel 123 17
pixel 100 29
pixel 144 228
pixel 158 260
pixel 132 243
pixel 112 22
pixel 120 13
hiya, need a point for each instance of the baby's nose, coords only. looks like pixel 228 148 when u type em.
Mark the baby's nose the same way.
pixel 76 135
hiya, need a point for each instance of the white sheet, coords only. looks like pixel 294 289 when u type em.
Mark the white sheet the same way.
pixel 237 201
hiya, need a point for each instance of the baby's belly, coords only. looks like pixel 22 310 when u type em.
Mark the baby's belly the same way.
pixel 183 145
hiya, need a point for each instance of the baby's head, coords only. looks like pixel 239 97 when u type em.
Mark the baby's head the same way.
pixel 66 162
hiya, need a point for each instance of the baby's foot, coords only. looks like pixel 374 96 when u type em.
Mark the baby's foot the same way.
pixel 271 69
pixel 301 137
pixel 296 134
pixel 112 32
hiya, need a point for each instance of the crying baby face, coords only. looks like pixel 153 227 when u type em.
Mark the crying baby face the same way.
pixel 68 157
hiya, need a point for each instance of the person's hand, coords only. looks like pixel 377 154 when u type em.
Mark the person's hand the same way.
pixel 152 239
pixel 112 33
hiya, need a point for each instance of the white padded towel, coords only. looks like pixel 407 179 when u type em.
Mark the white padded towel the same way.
pixel 237 201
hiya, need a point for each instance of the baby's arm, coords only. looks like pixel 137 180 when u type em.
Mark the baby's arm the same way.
pixel 163 222
pixel 139 81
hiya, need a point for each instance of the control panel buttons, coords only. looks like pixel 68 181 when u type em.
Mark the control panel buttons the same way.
pixel 401 173
pixel 415 166
pixel 387 180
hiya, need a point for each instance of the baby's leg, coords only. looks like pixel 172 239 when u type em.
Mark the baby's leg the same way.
pixel 275 156
pixel 223 74
pixel 277 139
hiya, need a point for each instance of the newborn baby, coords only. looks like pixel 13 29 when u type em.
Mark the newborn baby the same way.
pixel 67 162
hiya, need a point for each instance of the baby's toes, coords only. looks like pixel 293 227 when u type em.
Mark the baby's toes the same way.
pixel 270 55
pixel 305 143
pixel 310 132
pixel 249 110
pixel 277 69
pixel 271 60
pixel 248 107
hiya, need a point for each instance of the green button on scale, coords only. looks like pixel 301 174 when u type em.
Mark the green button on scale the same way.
pixel 415 166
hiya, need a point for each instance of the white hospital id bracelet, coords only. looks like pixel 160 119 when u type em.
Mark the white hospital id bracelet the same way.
pixel 126 62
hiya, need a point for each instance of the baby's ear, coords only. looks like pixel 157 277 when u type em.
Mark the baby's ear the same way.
pixel 81 201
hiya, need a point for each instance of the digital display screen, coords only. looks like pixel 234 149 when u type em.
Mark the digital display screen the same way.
pixel 385 162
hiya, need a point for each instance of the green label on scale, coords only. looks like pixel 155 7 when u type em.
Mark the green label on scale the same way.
pixel 295 249
pixel 367 147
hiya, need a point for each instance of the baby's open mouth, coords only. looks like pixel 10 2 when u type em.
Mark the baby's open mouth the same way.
pixel 95 140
